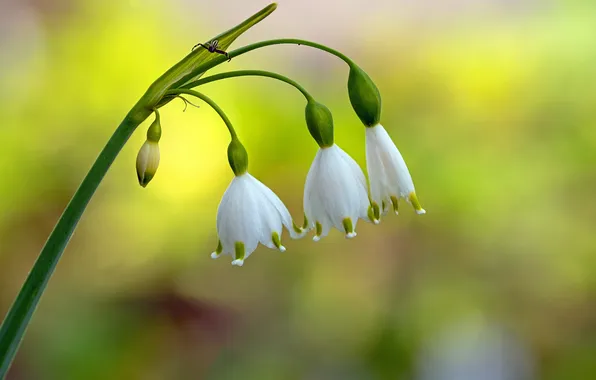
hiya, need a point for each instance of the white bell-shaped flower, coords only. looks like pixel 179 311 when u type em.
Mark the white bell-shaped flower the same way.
pixel 250 213
pixel 335 193
pixel 388 174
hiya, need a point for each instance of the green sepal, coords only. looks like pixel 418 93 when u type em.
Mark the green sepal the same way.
pixel 305 224
pixel 320 123
pixel 348 226
pixel 374 212
pixel 154 131
pixel 364 96
pixel 416 203
pixel 295 227
pixel 237 157
pixel 145 178
pixel 318 229
pixel 276 240
pixel 193 65
pixel 394 203
pixel 239 250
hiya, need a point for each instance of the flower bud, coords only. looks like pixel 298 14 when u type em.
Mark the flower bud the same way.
pixel 147 162
pixel 237 157
pixel 148 157
pixel 364 96
pixel 320 123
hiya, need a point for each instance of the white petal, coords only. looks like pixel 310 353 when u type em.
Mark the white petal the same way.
pixel 388 159
pixel 360 201
pixel 388 174
pixel 250 212
pixel 335 189
pixel 380 189
pixel 237 216
pixel 282 210
pixel 267 213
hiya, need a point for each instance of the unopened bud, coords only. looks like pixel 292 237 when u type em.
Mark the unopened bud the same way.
pixel 147 162
pixel 148 157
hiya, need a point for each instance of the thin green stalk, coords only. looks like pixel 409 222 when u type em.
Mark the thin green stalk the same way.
pixel 280 41
pixel 242 73
pixel 17 319
pixel 207 100
pixel 294 41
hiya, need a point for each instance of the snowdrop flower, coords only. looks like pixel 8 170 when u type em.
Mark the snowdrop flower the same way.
pixel 335 193
pixel 249 213
pixel 388 174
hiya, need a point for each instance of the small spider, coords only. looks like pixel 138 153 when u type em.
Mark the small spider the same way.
pixel 212 48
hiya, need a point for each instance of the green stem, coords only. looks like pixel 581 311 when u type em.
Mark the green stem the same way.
pixel 281 41
pixel 17 319
pixel 295 41
pixel 207 100
pixel 243 73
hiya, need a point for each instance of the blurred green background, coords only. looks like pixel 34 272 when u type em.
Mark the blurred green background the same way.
pixel 492 103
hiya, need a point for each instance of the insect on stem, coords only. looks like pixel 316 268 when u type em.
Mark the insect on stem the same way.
pixel 211 47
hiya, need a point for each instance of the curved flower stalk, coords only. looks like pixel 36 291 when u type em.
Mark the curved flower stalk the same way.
pixel 335 193
pixel 249 214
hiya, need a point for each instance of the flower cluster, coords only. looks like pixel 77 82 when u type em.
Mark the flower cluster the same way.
pixel 336 193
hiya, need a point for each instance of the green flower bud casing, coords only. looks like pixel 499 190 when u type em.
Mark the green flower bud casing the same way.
pixel 320 123
pixel 148 157
pixel 364 96
pixel 237 157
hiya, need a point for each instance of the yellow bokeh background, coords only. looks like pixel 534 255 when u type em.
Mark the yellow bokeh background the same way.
pixel 492 103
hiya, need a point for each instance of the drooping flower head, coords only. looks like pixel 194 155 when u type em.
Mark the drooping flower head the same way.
pixel 249 213
pixel 388 174
pixel 335 191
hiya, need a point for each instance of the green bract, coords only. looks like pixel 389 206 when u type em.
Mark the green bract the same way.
pixel 237 157
pixel 364 96
pixel 193 65
pixel 320 123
